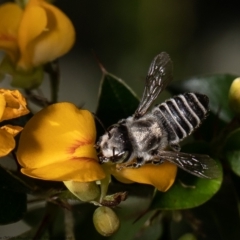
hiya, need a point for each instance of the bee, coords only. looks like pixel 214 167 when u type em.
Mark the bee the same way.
pixel 145 137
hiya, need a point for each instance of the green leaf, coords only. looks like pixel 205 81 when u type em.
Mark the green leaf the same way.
pixel 233 158
pixel 116 100
pixel 13 206
pixel 232 150
pixel 216 219
pixel 188 191
pixel 216 87
pixel 219 217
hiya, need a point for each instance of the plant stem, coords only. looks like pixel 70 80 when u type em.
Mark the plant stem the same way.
pixel 52 69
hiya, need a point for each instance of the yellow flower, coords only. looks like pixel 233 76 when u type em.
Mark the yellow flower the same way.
pixel 160 176
pixel 58 144
pixel 36 35
pixel 12 105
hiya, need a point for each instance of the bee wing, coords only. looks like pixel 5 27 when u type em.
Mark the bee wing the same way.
pixel 199 165
pixel 159 75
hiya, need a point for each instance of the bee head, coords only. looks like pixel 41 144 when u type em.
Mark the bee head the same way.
pixel 114 145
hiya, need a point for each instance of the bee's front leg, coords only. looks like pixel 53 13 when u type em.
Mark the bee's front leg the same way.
pixel 139 162
pixel 136 163
pixel 156 161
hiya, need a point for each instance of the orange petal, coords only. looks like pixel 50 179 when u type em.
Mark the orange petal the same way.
pixel 56 134
pixel 160 176
pixel 13 130
pixel 7 143
pixel 15 104
pixel 2 105
pixel 45 34
pixel 11 15
pixel 81 170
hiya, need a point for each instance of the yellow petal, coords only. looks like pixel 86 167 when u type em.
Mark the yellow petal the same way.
pixel 45 34
pixel 58 135
pixel 55 134
pixel 81 170
pixel 160 176
pixel 2 105
pixel 13 130
pixel 11 15
pixel 15 104
pixel 7 143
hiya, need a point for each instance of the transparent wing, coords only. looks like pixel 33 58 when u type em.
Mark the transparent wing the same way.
pixel 199 165
pixel 159 75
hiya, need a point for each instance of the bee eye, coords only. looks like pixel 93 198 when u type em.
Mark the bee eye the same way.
pixel 120 157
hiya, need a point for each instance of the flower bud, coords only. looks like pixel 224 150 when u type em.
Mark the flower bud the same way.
pixel 234 96
pixel 105 221
pixel 85 191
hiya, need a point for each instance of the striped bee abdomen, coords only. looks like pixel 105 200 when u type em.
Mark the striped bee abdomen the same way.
pixel 182 114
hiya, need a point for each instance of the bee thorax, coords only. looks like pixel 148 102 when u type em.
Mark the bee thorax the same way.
pixel 146 135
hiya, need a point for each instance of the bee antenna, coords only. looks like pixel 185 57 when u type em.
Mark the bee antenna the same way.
pixel 100 122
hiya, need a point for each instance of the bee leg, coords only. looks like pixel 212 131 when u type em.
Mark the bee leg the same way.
pixel 139 162
pixel 136 164
pixel 157 161
pixel 175 147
